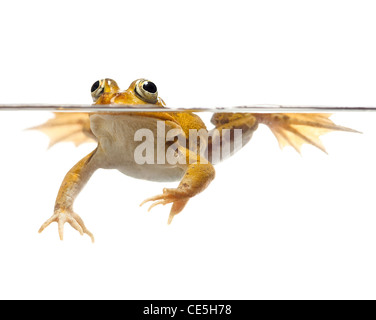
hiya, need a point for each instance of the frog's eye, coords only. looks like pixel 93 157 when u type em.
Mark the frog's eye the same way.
pixel 146 91
pixel 97 89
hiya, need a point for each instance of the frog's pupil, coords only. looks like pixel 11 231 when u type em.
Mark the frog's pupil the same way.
pixel 149 87
pixel 95 86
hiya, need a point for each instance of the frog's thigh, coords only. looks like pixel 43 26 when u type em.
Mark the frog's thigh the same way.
pixel 232 132
pixel 247 122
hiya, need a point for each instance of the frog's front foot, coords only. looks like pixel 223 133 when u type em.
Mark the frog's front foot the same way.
pixel 62 216
pixel 177 197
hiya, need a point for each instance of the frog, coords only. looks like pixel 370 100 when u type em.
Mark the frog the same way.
pixel 114 134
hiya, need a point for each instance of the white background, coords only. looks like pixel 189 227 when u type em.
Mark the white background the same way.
pixel 272 225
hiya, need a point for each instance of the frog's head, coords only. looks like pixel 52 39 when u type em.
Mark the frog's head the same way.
pixel 141 91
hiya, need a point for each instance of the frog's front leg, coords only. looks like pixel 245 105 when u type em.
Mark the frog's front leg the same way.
pixel 72 184
pixel 197 177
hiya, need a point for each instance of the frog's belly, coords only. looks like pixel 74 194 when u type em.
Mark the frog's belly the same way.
pixel 119 150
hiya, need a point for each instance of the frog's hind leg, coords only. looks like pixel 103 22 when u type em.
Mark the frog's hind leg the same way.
pixel 71 127
pixel 296 129
pixel 232 131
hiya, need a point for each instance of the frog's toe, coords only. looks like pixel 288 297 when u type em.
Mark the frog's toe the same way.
pixel 159 199
pixel 78 219
pixel 89 234
pixel 47 223
pixel 178 200
pixel 61 217
pixel 177 207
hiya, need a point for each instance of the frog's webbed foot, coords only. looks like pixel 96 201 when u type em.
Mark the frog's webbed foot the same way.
pixel 74 127
pixel 61 216
pixel 296 129
pixel 177 197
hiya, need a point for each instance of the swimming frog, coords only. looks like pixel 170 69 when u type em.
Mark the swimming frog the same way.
pixel 115 132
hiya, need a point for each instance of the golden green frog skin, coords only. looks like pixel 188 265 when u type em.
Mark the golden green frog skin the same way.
pixel 115 132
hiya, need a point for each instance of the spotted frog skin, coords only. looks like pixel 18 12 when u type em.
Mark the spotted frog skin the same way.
pixel 115 132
